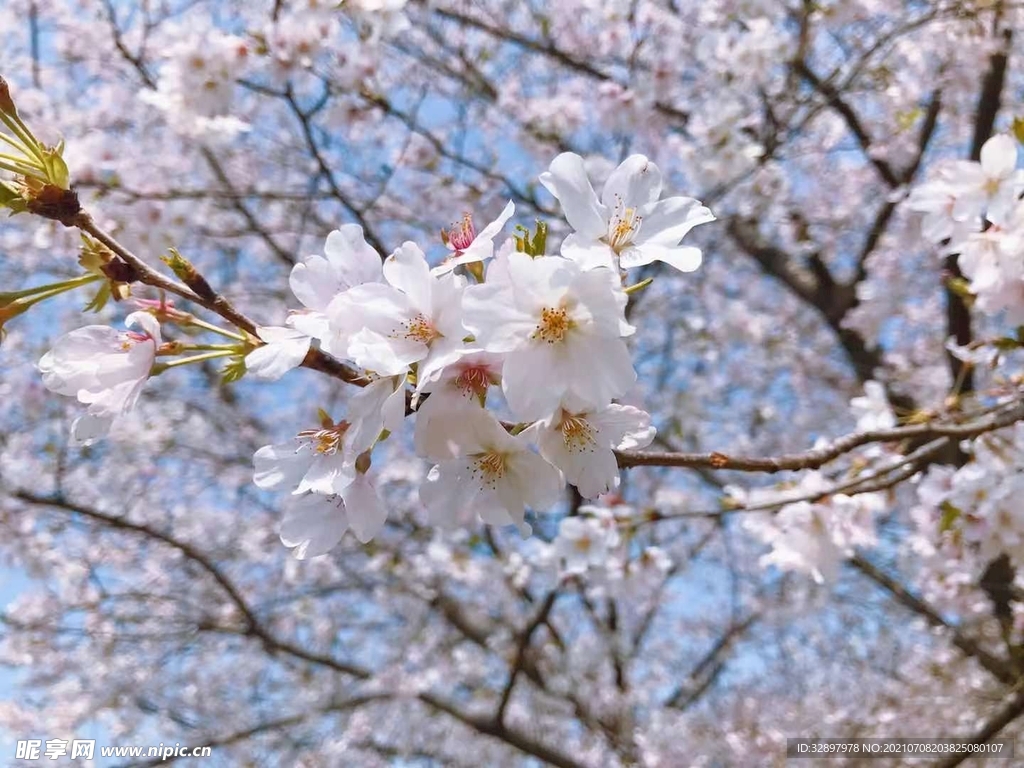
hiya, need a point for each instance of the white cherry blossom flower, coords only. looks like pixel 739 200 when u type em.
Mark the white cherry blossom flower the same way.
pixel 324 460
pixel 936 200
pixel 485 472
pixel 469 246
pixel 872 409
pixel 103 368
pixel 581 544
pixel 319 460
pixel 560 329
pixel 314 523
pixel 414 318
pixel 990 186
pixel 813 537
pixel 462 384
pixel 629 226
pixel 581 443
pixel 348 261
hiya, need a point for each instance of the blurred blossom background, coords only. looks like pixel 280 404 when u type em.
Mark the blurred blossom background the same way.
pixel 147 596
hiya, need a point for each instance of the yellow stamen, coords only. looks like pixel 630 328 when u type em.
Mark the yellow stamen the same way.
pixel 421 329
pixel 577 434
pixel 490 468
pixel 554 324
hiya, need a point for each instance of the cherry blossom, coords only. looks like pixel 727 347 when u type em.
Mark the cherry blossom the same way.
pixel 629 226
pixel 103 368
pixel 991 185
pixel 468 246
pixel 813 537
pixel 485 472
pixel 581 544
pixel 560 329
pixel 414 318
pixel 461 384
pixel 581 443
pixel 348 261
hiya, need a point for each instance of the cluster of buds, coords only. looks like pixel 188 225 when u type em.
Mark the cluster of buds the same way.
pixel 41 184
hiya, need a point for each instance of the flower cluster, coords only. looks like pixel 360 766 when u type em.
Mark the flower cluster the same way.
pixel 972 208
pixel 814 528
pixel 197 82
pixel 814 533
pixel 513 371
pixel 977 506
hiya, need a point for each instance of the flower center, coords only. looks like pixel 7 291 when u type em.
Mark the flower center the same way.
pixel 461 235
pixel 474 380
pixel 325 441
pixel 554 324
pixel 623 226
pixel 583 544
pixel 131 338
pixel 577 434
pixel 421 329
pixel 490 468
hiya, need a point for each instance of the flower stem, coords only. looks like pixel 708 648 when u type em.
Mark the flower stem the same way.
pixel 211 327
pixel 159 368
pixel 638 286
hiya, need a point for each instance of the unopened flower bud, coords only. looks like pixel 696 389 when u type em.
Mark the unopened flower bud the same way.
pixel 6 102
pixel 363 463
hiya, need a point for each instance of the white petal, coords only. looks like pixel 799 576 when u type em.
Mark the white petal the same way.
pixel 285 349
pixel 491 314
pixel 634 184
pixel 87 428
pixel 315 282
pixel 685 258
pixel 353 259
pixel 541 483
pixel 149 324
pixel 491 230
pixel 385 356
pixel 535 378
pixel 313 524
pixel 567 181
pixel 671 219
pixel 625 427
pixel 999 156
pixel 603 369
pixel 588 254
pixel 377 307
pixel 366 515
pixel 312 323
pixel 448 493
pixel 279 466
pixel 407 270
pixel 378 406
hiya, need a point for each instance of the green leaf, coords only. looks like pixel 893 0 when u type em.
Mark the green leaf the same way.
pixel 233 370
pixel 950 514
pixel 9 198
pixel 1018 129
pixel 99 301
